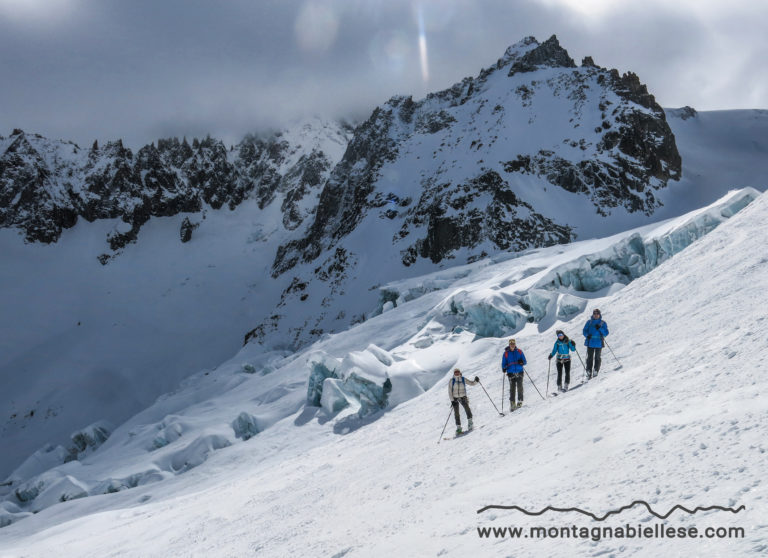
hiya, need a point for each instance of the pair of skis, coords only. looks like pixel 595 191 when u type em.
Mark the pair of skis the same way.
pixel 583 383
pixel 464 433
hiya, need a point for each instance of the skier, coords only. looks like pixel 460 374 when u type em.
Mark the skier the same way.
pixel 512 365
pixel 595 330
pixel 563 347
pixel 457 391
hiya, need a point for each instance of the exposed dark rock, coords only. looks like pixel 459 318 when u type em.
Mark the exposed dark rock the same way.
pixel 453 220
pixel 186 229
pixel 43 190
pixel 308 174
pixel 343 201
pixel 432 123
pixel 549 53
pixel 683 113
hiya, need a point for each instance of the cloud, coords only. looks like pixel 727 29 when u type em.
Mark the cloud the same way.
pixel 142 70
pixel 36 13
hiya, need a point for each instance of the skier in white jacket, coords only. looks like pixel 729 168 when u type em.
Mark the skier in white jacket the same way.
pixel 457 392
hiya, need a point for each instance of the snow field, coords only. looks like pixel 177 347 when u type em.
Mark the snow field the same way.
pixel 682 422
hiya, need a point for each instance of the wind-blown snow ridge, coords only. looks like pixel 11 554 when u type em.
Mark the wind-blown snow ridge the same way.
pixel 336 383
pixel 614 512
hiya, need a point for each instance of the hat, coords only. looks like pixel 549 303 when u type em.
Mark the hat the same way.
pixel 596 310
pixel 559 332
pixel 456 370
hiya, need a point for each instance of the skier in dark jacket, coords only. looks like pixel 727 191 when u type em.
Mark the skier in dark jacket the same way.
pixel 457 391
pixel 595 330
pixel 512 365
pixel 563 347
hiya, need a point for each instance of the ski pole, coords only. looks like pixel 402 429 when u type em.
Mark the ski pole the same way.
pixel 502 391
pixel 614 356
pixel 582 362
pixel 534 385
pixel 584 368
pixel 549 367
pixel 489 398
pixel 446 424
pixel 584 375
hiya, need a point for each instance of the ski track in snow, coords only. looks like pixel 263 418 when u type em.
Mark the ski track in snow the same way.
pixel 683 422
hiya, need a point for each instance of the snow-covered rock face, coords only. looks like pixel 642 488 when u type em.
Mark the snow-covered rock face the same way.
pixel 46 186
pixel 522 156
pixel 444 169
pixel 518 157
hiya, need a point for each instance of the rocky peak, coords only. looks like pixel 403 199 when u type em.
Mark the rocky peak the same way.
pixel 629 87
pixel 683 113
pixel 623 135
pixel 516 51
pixel 549 53
pixel 19 144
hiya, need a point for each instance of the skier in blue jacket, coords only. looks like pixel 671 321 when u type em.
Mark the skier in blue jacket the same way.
pixel 563 347
pixel 512 365
pixel 595 330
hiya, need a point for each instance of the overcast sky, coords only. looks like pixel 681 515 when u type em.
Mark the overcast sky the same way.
pixel 141 70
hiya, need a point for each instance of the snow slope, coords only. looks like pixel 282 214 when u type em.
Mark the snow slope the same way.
pixel 83 342
pixel 683 422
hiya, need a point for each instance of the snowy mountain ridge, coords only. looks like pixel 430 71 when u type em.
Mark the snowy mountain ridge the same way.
pixel 46 186
pixel 586 130
pixel 532 152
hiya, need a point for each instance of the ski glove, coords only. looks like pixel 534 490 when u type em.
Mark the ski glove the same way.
pixel 589 337
pixel 573 344
pixel 520 361
pixel 477 378
pixel 549 357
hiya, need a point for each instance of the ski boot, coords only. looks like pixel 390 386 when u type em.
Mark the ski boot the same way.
pixel 469 425
pixel 519 404
pixel 565 388
pixel 458 430
pixel 511 405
